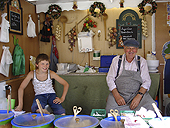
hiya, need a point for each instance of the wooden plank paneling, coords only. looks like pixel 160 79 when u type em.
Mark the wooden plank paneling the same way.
pixel 30 46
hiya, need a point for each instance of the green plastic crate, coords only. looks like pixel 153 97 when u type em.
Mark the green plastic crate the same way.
pixel 127 112
pixel 98 113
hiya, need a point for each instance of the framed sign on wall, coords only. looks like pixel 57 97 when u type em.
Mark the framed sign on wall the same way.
pixel 129 28
pixel 15 17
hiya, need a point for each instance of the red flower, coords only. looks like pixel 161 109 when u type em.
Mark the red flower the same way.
pixel 94 26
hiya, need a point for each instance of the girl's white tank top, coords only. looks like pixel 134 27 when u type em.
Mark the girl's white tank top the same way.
pixel 42 87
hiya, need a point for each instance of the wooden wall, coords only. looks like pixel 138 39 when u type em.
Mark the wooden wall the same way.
pixel 30 46
pixel 99 44
pixel 161 33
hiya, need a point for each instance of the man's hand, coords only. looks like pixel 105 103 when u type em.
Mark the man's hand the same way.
pixel 135 102
pixel 119 99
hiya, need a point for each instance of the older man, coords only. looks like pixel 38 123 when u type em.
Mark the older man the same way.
pixel 129 81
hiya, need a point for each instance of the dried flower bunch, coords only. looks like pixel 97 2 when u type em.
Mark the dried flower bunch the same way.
pixel 89 23
pixel 72 37
pixel 112 36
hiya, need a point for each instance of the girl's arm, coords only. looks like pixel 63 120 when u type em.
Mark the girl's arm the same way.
pixel 21 90
pixel 61 81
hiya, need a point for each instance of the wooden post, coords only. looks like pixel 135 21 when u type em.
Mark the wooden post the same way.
pixel 144 48
pixel 89 58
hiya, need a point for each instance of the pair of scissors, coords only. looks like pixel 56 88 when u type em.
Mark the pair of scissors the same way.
pixel 76 110
pixel 114 113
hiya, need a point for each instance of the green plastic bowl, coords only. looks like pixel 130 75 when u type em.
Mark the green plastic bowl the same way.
pixel 7 120
pixel 45 125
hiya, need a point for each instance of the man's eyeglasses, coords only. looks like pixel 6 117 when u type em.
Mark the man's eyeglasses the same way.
pixel 131 48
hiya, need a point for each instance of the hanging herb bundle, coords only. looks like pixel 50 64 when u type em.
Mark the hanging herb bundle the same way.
pixel 88 23
pixel 112 36
pixel 72 37
pixel 3 3
pixel 142 5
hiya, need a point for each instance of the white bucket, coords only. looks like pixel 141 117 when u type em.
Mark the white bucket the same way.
pixel 96 53
pixel 62 66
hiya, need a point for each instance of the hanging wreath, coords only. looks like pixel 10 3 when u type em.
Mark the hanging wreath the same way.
pixel 143 3
pixel 54 11
pixel 99 5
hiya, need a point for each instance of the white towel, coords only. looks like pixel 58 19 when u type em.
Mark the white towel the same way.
pixel 17 113
pixel 6 60
pixel 4 31
pixel 31 28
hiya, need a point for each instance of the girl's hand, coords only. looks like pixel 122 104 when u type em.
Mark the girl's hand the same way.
pixel 58 100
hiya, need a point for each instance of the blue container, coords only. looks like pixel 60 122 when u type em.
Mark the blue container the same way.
pixel 110 122
pixel 7 120
pixel 49 124
pixel 106 60
pixel 103 70
pixel 84 122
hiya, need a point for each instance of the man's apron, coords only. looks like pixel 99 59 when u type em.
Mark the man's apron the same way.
pixel 128 85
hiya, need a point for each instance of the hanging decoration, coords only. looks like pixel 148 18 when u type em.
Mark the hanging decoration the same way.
pixel 58 32
pixel 72 37
pixel 54 11
pixel 74 5
pixel 31 28
pixel 112 36
pixel 168 13
pixel 4 31
pixel 144 27
pixel 55 51
pixel 121 3
pixel 121 40
pixel 142 5
pixel 99 5
pixel 46 30
pixel 89 23
pixel 3 3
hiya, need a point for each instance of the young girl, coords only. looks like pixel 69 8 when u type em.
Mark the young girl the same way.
pixel 42 82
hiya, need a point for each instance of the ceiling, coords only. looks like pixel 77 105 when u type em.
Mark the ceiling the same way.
pixel 42 5
pixel 37 2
